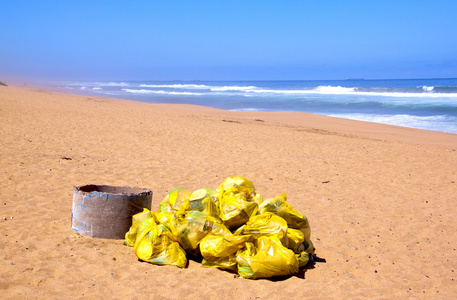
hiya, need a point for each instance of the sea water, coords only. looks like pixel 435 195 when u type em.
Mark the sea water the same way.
pixel 419 103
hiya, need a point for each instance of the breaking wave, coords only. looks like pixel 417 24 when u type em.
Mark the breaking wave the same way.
pixel 160 92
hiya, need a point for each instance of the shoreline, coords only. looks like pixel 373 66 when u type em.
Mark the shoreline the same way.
pixel 380 199
pixel 433 119
pixel 332 124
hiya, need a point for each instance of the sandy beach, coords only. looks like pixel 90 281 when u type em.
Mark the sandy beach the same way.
pixel 380 199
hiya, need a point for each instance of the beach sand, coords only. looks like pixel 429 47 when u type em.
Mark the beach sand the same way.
pixel 381 200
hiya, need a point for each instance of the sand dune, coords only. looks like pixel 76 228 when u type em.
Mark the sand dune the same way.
pixel 380 199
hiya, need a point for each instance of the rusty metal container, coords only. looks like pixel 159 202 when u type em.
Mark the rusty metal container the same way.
pixel 104 211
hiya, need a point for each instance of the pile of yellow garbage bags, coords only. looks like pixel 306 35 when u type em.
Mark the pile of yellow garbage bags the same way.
pixel 231 228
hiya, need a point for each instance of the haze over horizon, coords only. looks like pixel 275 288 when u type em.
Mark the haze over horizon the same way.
pixel 227 40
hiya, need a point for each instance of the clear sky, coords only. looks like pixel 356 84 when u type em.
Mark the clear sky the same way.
pixel 228 40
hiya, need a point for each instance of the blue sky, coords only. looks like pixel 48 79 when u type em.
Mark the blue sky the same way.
pixel 227 40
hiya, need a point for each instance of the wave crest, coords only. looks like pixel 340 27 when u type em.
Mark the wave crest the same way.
pixel 144 91
pixel 428 88
pixel 176 86
pixel 334 89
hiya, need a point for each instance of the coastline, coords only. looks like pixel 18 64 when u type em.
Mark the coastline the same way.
pixel 417 103
pixel 380 198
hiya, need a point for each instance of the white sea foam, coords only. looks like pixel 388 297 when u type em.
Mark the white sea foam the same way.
pixel 317 90
pixel 428 88
pixel 96 88
pixel 338 90
pixel 247 109
pixel 200 87
pixel 266 91
pixel 438 123
pixel 96 84
pixel 113 84
pixel 144 91
pixel 321 90
pixel 334 89
pixel 233 88
pixel 354 91
pixel 408 95
pixel 177 86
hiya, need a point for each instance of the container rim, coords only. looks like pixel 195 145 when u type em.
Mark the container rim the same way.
pixel 109 189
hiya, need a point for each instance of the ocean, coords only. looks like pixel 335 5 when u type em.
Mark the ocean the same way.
pixel 419 103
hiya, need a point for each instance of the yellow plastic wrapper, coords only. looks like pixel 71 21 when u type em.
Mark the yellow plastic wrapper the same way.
pixel 156 243
pixel 137 220
pixel 174 200
pixel 294 219
pixel 269 258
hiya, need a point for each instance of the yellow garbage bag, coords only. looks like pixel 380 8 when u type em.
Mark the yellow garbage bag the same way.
pixel 268 258
pixel 192 227
pixel 303 258
pixel 234 208
pixel 137 220
pixel 231 227
pixel 155 243
pixel 226 262
pixel 199 198
pixel 174 200
pixel 296 239
pixel 212 207
pixel 242 184
pixel 266 224
pixel 163 217
pixel 166 218
pixel 280 207
pixel 296 243
pixel 220 250
pixel 294 219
